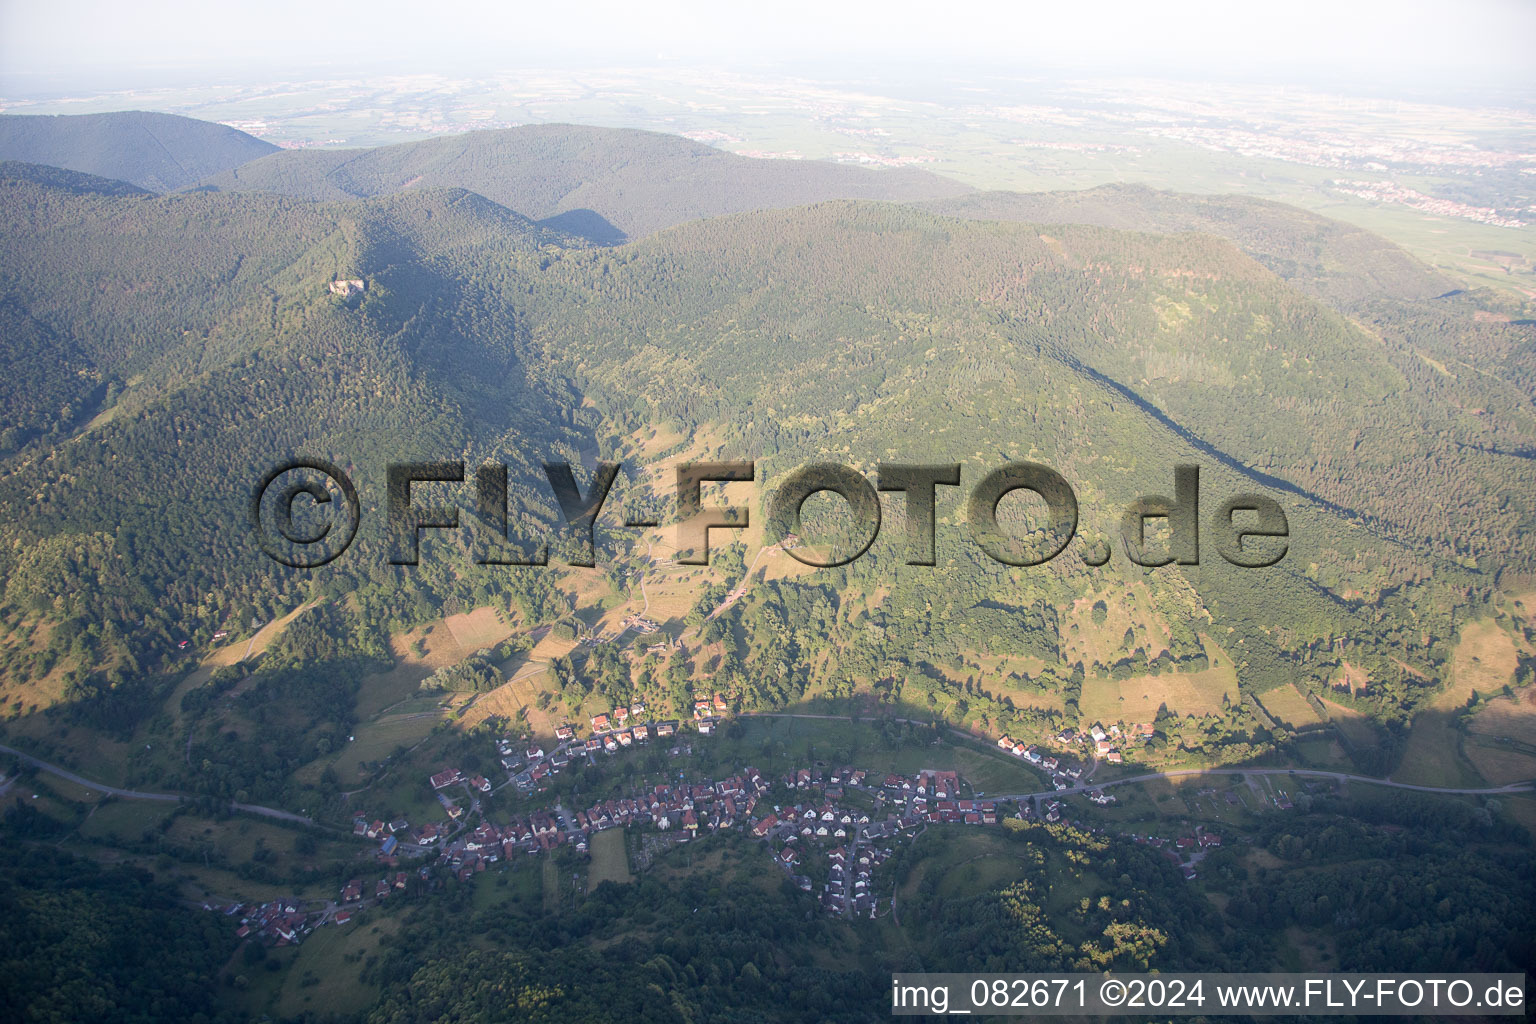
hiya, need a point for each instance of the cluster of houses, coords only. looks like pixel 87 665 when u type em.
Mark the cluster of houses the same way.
pixel 689 808
pixel 707 712
pixel 851 832
pixel 1064 772
pixel 620 728
pixel 528 769
pixel 1107 742
pixel 1185 851
pixel 903 804
pixel 1106 745
pixel 280 922
pixel 354 890
pixel 850 880
pixel 390 834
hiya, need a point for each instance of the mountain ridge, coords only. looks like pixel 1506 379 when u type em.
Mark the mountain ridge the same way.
pixel 154 151
pixel 1338 262
pixel 636 182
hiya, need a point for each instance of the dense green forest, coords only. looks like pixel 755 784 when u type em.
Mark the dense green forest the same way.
pixel 81 941
pixel 737 941
pixel 196 342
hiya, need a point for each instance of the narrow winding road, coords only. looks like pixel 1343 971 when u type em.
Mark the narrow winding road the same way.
pixel 746 581
pixel 135 794
pixel 1084 787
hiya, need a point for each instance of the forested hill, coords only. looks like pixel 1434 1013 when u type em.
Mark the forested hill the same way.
pixel 196 338
pixel 159 152
pixel 1334 261
pixel 1181 324
pixel 60 179
pixel 603 183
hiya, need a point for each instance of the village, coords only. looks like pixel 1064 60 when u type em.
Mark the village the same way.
pixel 827 828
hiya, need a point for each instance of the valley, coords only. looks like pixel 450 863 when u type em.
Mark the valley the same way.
pixel 660 786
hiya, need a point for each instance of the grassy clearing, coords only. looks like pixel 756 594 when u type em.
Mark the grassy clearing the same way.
pixel 379 739
pixel 478 629
pixel 1511 717
pixel 1287 705
pixel 326 976
pixel 1522 811
pixel 1352 724
pixel 41 797
pixel 1137 699
pixel 386 689
pixel 1310 949
pixel 975 862
pixel 94 754
pixel 1323 751
pixel 1433 756
pixel 1003 676
pixel 237 840
pixel 610 859
pixel 231 652
pixel 551 885
pixel 1483 664
pixel 517 700
pixel 517 881
pixel 1500 765
pixel 993 859
pixel 218 885
pixel 1130 607
pixel 124 819
pixel 404 794
pixel 1171 806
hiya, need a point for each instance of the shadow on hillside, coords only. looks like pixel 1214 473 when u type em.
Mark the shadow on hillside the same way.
pixel 588 224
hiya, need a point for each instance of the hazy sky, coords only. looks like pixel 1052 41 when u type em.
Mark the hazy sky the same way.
pixel 1476 42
